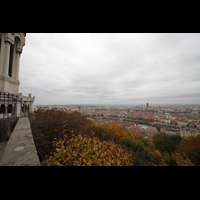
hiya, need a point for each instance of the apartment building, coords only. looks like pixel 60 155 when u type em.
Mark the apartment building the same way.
pixel 182 122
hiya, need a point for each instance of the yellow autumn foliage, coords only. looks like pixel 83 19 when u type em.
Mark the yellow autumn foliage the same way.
pixel 86 151
pixel 117 130
pixel 182 160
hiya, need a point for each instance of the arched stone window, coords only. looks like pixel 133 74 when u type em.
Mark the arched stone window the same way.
pixel 0 49
pixel 10 108
pixel 13 62
pixel 10 61
pixel 23 108
pixel 0 44
pixel 2 109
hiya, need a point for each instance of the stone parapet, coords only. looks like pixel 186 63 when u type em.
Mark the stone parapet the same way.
pixel 7 126
pixel 20 149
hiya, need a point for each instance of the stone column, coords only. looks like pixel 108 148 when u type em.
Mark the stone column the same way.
pixel 13 109
pixel 18 54
pixel 6 55
pixel 31 107
pixel 1 72
pixel 1 114
pixel 14 64
pixel 6 111
pixel 18 109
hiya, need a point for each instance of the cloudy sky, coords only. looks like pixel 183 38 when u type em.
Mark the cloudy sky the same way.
pixel 111 68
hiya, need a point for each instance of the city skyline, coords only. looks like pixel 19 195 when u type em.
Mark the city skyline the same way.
pixel 111 68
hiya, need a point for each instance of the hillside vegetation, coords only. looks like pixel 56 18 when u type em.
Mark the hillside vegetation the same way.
pixel 69 139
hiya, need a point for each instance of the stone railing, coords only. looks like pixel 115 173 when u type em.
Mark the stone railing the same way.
pixel 15 105
pixel 20 149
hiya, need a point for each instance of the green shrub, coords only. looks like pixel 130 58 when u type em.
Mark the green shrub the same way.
pixel 157 127
pixel 103 134
pixel 138 149
pixel 165 143
pixel 168 158
pixel 132 143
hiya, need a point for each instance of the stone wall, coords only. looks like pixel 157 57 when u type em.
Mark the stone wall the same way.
pixel 20 149
pixel 6 127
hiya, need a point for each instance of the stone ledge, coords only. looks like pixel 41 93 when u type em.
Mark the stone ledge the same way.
pixel 9 79
pixel 20 149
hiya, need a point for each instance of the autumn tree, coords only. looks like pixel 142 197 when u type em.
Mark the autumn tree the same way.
pixel 88 151
pixel 117 130
pixel 187 152
pixel 50 125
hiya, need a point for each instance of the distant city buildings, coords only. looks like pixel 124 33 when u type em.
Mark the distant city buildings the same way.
pixel 172 120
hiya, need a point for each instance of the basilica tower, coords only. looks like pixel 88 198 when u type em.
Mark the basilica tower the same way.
pixel 11 47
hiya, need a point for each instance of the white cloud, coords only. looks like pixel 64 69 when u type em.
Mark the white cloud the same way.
pixel 110 68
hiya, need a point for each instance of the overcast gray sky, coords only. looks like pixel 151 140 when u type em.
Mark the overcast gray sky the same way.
pixel 111 68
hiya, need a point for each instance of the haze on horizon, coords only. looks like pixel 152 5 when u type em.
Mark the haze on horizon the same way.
pixel 111 68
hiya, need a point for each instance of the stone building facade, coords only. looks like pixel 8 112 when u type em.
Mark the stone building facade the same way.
pixel 182 123
pixel 169 131
pixel 12 103
pixel 198 124
pixel 187 132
